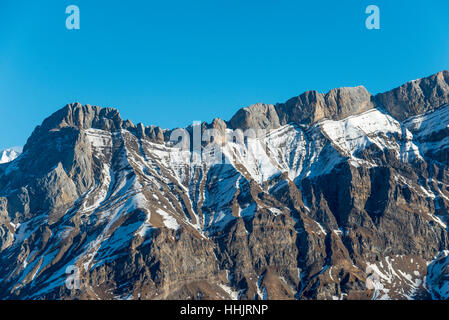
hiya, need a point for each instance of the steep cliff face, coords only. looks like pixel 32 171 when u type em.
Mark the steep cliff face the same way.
pixel 416 97
pixel 308 108
pixel 343 196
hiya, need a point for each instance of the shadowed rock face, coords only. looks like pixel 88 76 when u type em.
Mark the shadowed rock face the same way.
pixel 350 201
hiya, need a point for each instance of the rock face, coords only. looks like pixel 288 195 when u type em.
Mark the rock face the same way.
pixel 342 196
pixel 308 108
pixel 337 104
pixel 416 97
pixel 258 116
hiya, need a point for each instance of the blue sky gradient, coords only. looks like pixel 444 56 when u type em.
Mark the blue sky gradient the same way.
pixel 169 63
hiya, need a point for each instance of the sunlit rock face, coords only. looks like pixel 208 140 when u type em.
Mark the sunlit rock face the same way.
pixel 342 195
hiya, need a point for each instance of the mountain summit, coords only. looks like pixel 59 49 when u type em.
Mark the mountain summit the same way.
pixel 411 99
pixel 342 195
pixel 10 154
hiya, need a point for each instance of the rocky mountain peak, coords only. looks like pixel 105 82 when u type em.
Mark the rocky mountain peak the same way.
pixel 416 97
pixel 77 116
pixel 255 116
pixel 412 98
pixel 312 106
pixel 83 117
pixel 307 108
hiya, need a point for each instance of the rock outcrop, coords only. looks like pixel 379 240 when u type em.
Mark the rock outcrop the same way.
pixel 416 97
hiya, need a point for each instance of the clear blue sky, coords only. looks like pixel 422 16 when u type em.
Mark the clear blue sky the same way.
pixel 171 62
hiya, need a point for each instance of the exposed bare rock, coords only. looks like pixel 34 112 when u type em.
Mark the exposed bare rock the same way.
pixel 257 116
pixel 6 228
pixel 311 106
pixel 416 97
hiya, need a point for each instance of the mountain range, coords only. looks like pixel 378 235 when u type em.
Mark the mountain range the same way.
pixel 342 195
